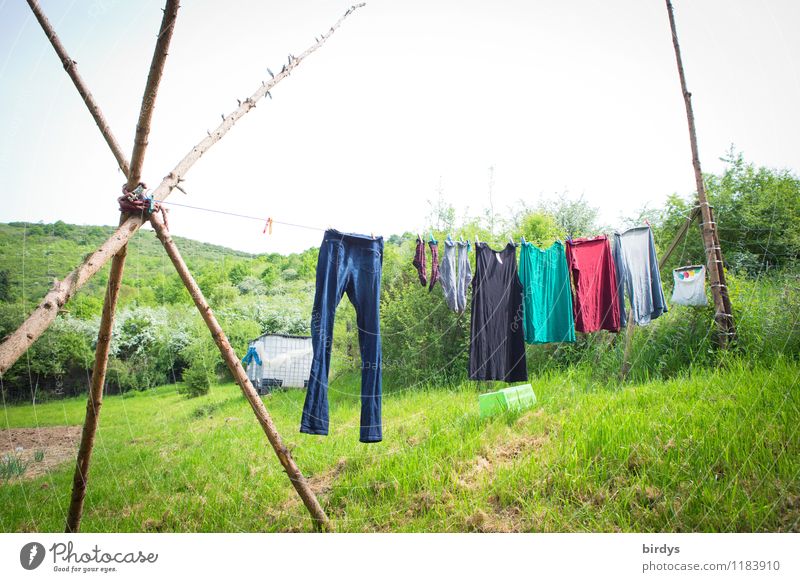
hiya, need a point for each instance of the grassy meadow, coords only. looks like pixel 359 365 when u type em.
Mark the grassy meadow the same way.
pixel 710 450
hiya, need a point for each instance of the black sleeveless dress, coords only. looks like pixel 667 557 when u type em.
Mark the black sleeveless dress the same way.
pixel 497 340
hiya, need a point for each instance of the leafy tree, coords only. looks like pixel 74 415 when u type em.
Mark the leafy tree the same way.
pixel 238 272
pixel 572 215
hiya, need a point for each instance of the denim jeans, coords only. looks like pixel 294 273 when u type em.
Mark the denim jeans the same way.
pixel 348 263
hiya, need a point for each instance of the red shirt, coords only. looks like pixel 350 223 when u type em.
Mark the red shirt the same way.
pixel 594 278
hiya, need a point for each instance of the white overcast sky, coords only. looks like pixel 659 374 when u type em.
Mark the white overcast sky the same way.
pixel 579 96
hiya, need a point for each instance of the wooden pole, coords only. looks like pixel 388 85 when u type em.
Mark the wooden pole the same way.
pixel 716 275
pixel 39 320
pixel 151 91
pixel 239 374
pixel 95 398
pixel 626 356
pixel 71 68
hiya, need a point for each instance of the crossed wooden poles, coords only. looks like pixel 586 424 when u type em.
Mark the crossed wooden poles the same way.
pixel 115 249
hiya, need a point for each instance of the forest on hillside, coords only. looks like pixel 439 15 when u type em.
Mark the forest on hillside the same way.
pixel 159 338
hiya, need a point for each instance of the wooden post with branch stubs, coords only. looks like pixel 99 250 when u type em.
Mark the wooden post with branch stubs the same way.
pixel 716 273
pixel 240 376
pixel 95 399
pixel 40 319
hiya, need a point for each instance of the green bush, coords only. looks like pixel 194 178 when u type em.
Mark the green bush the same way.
pixel 197 380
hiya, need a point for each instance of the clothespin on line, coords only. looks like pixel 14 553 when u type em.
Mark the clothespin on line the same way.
pixel 267 226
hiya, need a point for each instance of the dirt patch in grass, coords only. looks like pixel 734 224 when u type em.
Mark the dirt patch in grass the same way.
pixel 501 454
pixel 322 483
pixel 53 444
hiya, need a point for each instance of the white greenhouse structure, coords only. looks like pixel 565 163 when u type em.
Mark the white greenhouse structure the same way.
pixel 279 361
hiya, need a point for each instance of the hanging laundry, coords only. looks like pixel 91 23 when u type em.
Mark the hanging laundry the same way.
pixel 455 274
pixel 419 262
pixel 690 286
pixel 547 296
pixel 464 276
pixel 348 263
pixel 594 278
pixel 434 262
pixel 497 344
pixel 448 276
pixel 252 354
pixel 638 275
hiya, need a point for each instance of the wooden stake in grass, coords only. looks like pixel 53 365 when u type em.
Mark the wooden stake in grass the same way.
pixel 240 376
pixel 95 400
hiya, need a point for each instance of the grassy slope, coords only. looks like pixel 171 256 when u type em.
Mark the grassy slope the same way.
pixel 710 452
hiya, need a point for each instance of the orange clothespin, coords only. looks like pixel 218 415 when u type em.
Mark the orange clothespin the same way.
pixel 267 226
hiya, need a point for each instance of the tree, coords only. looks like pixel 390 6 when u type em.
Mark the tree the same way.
pixel 757 210
pixel 573 215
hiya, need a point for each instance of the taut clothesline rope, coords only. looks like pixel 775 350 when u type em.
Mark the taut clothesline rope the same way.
pixel 247 216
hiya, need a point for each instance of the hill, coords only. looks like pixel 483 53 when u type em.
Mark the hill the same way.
pixel 33 254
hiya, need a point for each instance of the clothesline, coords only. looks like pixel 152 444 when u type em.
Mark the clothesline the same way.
pixel 247 216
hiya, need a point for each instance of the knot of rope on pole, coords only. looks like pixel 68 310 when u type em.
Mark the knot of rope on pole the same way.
pixel 139 201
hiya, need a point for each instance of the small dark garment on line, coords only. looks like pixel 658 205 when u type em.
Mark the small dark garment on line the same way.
pixel 497 340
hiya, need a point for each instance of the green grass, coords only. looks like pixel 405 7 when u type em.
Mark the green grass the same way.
pixel 707 451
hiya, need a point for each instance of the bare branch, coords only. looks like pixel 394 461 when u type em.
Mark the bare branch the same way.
pixel 41 318
pixel 229 120
pixel 72 70
pixel 151 91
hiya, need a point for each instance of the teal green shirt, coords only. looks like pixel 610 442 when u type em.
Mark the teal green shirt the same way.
pixel 547 294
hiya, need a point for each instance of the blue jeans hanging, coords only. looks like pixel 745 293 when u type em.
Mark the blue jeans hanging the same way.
pixel 348 263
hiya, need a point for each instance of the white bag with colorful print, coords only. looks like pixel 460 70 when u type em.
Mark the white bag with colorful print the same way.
pixel 690 285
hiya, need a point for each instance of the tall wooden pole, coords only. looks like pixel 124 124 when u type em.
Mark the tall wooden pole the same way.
pixel 95 398
pixel 716 272
pixel 71 68
pixel 239 374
